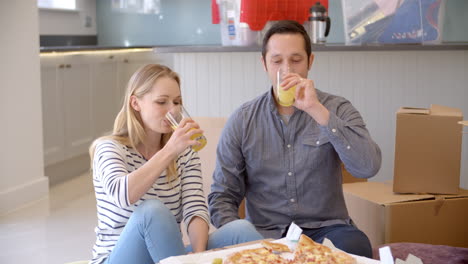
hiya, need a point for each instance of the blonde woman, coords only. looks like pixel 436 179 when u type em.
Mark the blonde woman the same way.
pixel 147 180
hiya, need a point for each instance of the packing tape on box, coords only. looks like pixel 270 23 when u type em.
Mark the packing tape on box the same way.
pixel 439 202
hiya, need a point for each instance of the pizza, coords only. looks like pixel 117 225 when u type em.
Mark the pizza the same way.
pixel 310 252
pixel 255 256
pixel 275 247
pixel 306 252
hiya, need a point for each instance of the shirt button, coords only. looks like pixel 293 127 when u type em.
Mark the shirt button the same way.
pixel 334 130
pixel 292 200
pixel 290 173
pixel 318 142
pixel 348 147
pixel 289 146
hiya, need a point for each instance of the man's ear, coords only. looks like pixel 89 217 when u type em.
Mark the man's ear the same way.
pixel 134 103
pixel 263 63
pixel 311 60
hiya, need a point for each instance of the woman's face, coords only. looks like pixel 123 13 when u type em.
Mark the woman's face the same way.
pixel 153 106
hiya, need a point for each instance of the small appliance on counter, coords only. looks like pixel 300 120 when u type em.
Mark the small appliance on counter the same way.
pixel 319 24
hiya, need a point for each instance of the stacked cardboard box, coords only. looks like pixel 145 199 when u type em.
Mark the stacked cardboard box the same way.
pixel 386 217
pixel 428 150
pixel 425 203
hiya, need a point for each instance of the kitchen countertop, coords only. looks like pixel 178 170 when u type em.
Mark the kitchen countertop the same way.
pixel 218 48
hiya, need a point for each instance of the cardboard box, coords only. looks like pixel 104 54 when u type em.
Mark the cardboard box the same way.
pixel 387 217
pixel 348 177
pixel 428 150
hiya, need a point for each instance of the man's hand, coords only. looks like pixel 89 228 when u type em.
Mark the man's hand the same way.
pixel 306 97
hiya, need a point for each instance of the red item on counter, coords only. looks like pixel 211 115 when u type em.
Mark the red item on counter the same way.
pixel 214 12
pixel 256 13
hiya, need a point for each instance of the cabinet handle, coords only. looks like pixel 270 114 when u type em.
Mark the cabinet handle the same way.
pixel 68 66
pixel 61 66
pixel 111 57
pixel 125 61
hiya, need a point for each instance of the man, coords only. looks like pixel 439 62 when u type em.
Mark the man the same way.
pixel 286 161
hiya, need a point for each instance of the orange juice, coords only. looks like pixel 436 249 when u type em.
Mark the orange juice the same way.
pixel 286 98
pixel 175 118
pixel 201 139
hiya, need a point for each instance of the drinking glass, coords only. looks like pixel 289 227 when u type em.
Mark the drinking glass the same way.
pixel 285 97
pixel 176 116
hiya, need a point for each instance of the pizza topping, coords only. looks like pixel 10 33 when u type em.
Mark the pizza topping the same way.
pixel 275 247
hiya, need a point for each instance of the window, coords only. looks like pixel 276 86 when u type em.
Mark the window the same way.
pixel 137 6
pixel 57 4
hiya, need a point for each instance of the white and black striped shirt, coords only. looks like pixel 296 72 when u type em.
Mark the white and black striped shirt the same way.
pixel 111 165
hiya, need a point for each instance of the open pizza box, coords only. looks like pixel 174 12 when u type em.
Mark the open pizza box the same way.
pixel 208 256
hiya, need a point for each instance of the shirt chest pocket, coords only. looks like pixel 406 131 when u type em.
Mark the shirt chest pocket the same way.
pixel 314 151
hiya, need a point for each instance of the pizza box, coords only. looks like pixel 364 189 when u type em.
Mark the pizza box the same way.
pixel 208 256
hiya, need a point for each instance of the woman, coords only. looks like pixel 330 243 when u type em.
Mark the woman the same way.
pixel 147 180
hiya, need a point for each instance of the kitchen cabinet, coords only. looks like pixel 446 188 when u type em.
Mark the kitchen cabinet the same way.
pixel 77 91
pixel 107 93
pixel 81 95
pixel 52 110
pixel 66 94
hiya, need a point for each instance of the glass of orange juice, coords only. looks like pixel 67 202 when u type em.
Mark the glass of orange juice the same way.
pixel 176 116
pixel 284 97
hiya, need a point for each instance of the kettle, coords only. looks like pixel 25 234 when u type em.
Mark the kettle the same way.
pixel 319 24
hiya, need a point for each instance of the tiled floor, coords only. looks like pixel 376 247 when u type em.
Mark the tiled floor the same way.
pixel 56 229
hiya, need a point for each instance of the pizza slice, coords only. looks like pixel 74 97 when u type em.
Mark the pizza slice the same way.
pixel 308 251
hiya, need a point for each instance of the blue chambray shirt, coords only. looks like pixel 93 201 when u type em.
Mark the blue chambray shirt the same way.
pixel 289 172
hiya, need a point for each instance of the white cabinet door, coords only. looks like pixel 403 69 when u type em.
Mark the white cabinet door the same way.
pixel 106 97
pixel 77 89
pixel 130 62
pixel 81 97
pixel 126 70
pixel 52 105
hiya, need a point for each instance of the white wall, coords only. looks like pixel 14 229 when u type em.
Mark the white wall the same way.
pixel 21 161
pixel 377 83
pixel 53 22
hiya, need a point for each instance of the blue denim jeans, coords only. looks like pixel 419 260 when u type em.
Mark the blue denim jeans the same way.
pixel 152 234
pixel 345 237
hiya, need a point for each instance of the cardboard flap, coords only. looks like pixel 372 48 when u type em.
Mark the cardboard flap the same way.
pixel 381 193
pixel 440 110
pixel 461 194
pixel 413 110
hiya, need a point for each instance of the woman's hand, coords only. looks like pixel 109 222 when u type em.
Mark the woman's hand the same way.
pixel 182 136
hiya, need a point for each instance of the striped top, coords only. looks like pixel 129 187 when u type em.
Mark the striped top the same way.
pixel 111 165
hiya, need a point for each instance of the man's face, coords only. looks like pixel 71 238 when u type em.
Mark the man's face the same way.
pixel 286 51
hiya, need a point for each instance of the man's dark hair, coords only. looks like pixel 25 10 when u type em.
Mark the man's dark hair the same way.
pixel 286 27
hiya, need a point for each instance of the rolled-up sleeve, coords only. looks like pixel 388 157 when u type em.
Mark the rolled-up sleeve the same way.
pixel 352 141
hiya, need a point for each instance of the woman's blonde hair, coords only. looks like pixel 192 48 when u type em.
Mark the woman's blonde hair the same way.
pixel 128 126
